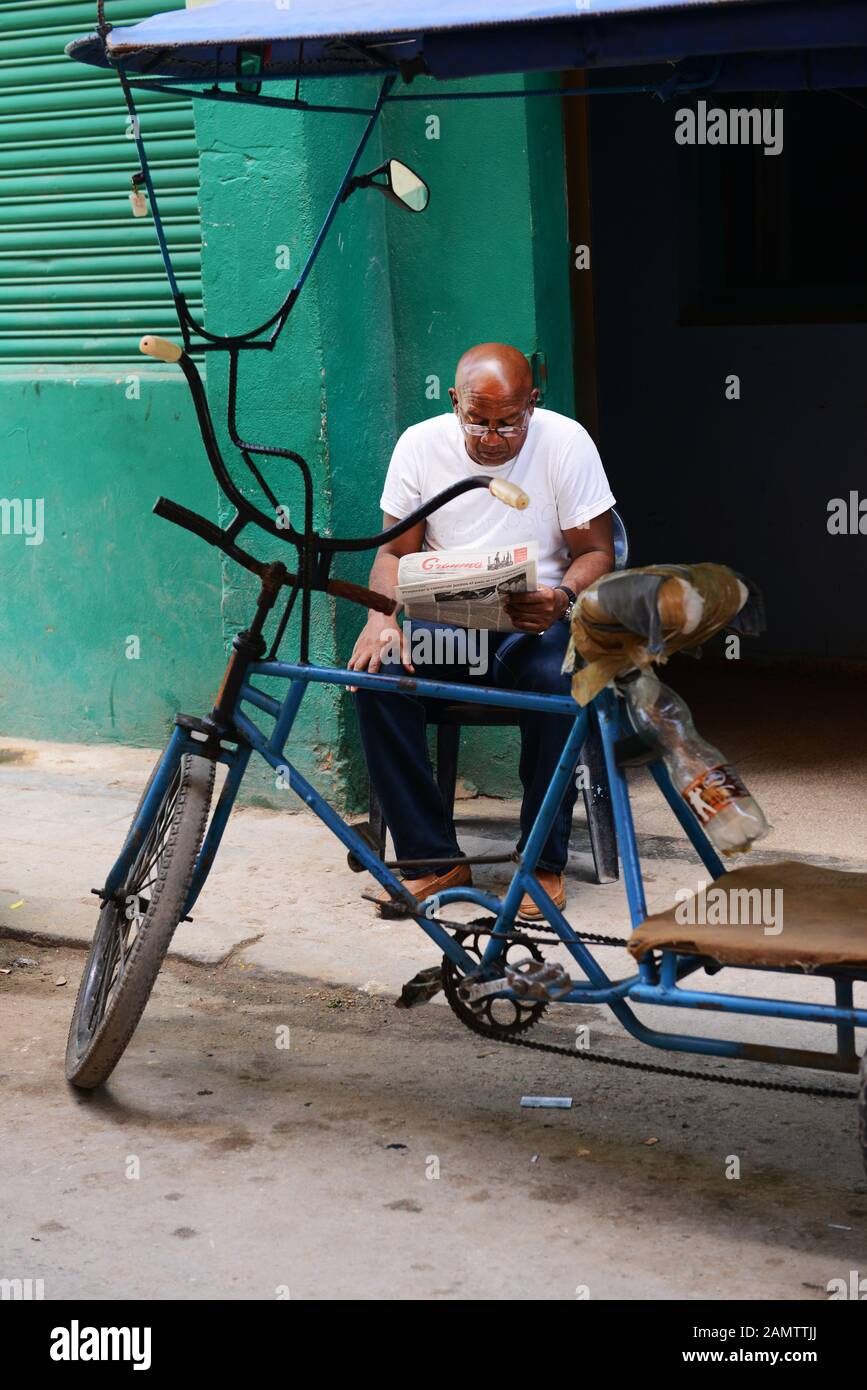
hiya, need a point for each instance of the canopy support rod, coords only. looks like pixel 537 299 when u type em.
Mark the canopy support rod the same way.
pixel 283 313
pixel 146 84
pixel 675 85
pixel 152 197
pixel 277 320
pixel 664 90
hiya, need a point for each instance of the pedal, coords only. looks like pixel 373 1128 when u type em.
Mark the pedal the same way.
pixel 390 909
pixel 527 979
pixel 538 979
pixel 365 832
pixel 393 912
pixel 421 988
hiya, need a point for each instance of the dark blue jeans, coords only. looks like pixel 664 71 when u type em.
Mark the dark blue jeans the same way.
pixel 393 734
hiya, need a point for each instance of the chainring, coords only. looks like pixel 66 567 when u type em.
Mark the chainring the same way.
pixel 494 1017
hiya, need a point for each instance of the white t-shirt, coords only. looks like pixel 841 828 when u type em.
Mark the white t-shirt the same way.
pixel 558 467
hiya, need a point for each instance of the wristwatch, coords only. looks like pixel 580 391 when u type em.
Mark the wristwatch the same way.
pixel 571 597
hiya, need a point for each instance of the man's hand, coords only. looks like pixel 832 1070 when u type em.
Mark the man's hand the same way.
pixel 538 611
pixel 377 641
pixel 592 551
pixel 380 638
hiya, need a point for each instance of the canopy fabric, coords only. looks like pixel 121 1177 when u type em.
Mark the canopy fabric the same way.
pixel 802 43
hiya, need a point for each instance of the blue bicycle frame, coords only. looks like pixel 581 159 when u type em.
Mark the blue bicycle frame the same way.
pixel 655 981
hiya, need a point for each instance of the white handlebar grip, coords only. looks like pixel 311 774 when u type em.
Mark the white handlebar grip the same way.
pixel 510 493
pixel 160 348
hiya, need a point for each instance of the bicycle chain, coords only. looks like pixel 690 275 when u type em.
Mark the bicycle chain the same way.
pixel 594 938
pixel 823 1092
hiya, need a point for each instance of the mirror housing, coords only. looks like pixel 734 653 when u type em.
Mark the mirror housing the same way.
pixel 399 183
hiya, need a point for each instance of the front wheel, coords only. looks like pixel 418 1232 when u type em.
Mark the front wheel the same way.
pixel 134 929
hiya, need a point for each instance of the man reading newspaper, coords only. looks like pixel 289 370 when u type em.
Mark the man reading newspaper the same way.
pixel 496 430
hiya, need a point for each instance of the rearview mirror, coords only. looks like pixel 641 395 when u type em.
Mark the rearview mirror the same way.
pixel 406 186
pixel 398 182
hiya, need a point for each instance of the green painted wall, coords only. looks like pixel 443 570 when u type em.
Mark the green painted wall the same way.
pixel 98 454
pixel 88 428
pixel 393 302
pixel 488 260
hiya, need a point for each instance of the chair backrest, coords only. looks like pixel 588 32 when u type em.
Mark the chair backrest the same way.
pixel 621 540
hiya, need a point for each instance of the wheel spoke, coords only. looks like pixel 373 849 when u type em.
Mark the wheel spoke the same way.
pixel 143 874
pixel 154 843
pixel 104 982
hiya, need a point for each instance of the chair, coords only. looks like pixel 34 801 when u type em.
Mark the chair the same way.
pixel 451 718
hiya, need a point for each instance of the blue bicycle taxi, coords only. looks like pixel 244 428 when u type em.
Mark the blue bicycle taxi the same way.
pixel 497 976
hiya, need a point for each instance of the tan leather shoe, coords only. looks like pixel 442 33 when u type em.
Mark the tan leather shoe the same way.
pixel 458 877
pixel 554 885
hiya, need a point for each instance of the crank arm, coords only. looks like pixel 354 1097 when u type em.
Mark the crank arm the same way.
pixel 471 994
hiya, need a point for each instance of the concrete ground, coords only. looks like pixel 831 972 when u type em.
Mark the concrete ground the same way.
pixel 385 1154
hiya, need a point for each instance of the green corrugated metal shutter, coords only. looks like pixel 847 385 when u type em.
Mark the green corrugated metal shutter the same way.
pixel 80 278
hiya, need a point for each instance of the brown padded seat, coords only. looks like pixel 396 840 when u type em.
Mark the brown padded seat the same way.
pixel 824 920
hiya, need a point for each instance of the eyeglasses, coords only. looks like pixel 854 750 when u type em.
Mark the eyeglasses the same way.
pixel 505 431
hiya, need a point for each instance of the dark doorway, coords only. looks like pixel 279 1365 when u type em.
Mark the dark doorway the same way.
pixel 726 436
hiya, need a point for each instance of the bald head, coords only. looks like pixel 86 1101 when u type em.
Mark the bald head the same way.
pixel 493 367
pixel 494 387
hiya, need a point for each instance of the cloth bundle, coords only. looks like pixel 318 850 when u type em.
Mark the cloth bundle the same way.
pixel 630 619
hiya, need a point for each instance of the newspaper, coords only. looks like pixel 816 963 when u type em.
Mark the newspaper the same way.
pixel 466 587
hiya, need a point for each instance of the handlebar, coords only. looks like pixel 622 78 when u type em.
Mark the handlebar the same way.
pixel 200 526
pixel 160 348
pixel 510 493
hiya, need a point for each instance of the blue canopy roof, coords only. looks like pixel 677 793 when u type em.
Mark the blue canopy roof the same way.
pixel 774 43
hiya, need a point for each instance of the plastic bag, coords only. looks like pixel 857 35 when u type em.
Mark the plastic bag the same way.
pixel 633 618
